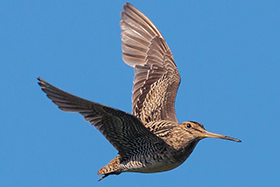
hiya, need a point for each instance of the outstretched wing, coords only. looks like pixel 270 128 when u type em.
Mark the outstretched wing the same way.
pixel 156 78
pixel 124 131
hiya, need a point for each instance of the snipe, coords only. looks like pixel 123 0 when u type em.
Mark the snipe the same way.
pixel 151 139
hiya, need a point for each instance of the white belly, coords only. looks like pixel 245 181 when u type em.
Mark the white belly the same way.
pixel 153 167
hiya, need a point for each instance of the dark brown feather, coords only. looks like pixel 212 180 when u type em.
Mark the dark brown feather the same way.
pixel 124 131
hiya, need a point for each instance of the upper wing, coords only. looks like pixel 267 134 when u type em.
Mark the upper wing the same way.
pixel 124 131
pixel 156 78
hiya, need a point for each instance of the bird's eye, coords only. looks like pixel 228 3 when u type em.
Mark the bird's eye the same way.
pixel 189 125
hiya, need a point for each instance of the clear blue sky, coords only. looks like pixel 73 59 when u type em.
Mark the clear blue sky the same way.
pixel 228 55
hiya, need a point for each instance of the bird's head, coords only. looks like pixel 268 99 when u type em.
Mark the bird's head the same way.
pixel 198 132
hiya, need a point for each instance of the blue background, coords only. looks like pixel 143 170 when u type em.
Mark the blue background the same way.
pixel 228 55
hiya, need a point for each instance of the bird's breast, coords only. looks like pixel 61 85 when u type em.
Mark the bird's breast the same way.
pixel 160 162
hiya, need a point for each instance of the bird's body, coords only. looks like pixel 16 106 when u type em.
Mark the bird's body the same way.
pixel 174 151
pixel 151 139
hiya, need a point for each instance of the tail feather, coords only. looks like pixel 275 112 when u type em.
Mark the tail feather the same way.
pixel 111 168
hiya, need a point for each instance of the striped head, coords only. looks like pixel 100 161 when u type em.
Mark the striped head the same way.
pixel 196 131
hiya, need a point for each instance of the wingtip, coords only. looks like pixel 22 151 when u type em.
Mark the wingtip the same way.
pixel 127 4
pixel 42 83
pixel 39 80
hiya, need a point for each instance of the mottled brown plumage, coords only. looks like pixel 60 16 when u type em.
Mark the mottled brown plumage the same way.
pixel 150 140
pixel 156 77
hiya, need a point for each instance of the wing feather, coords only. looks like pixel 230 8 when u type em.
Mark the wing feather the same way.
pixel 156 78
pixel 122 130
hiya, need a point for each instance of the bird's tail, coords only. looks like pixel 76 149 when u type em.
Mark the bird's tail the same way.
pixel 111 168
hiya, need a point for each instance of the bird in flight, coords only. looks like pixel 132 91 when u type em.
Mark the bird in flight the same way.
pixel 150 139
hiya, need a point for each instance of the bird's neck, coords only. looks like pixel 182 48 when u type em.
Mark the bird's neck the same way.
pixel 185 151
